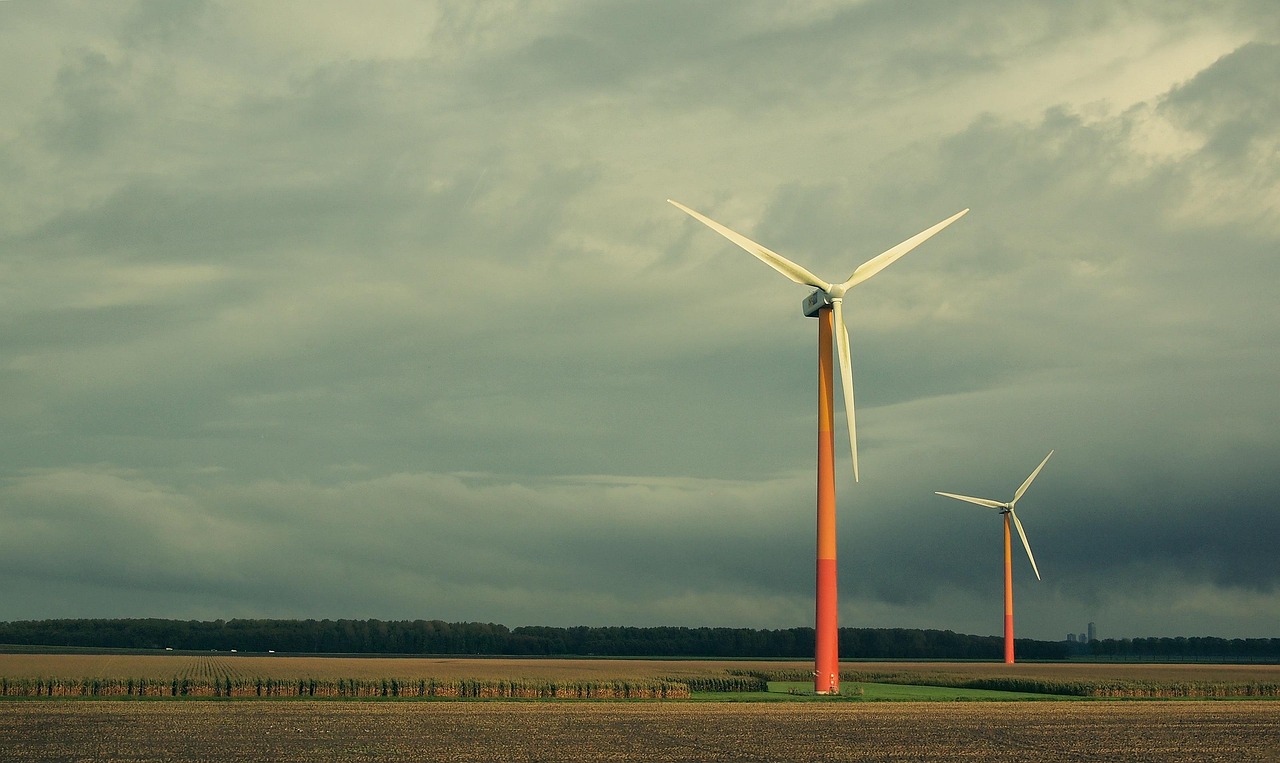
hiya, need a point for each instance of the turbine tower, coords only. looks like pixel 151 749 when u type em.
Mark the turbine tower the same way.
pixel 827 305
pixel 1007 509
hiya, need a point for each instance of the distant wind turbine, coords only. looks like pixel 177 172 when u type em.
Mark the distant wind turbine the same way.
pixel 827 305
pixel 1008 510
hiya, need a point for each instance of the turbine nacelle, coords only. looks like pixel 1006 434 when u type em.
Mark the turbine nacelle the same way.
pixel 815 302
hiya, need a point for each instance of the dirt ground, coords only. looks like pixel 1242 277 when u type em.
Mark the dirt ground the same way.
pixel 170 665
pixel 389 732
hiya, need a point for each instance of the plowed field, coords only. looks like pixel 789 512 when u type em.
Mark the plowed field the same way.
pixel 180 665
pixel 682 731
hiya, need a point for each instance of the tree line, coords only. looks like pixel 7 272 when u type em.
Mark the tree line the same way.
pixel 1176 648
pixel 471 638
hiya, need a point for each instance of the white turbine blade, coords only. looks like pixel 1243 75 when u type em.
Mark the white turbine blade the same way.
pixel 846 376
pixel 1027 484
pixel 769 257
pixel 980 501
pixel 1022 534
pixel 883 260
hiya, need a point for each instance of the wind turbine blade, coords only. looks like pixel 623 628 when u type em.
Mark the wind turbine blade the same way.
pixel 971 499
pixel 846 376
pixel 769 257
pixel 1027 484
pixel 1023 534
pixel 883 260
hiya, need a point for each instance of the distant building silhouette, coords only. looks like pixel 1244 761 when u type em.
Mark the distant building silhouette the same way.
pixel 1093 633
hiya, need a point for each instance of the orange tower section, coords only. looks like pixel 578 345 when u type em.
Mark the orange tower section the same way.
pixel 1008 595
pixel 826 675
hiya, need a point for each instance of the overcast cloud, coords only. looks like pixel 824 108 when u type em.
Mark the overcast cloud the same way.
pixel 320 309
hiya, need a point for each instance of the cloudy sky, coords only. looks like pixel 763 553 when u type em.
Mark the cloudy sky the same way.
pixel 327 309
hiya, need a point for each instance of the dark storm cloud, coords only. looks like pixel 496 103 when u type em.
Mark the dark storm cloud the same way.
pixel 1230 102
pixel 92 109
pixel 315 312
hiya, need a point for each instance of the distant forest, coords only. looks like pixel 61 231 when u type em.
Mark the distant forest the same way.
pixel 436 637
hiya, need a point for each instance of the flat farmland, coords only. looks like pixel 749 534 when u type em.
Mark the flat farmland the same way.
pixel 283 667
pixel 302 730
pixel 1079 671
pixel 180 665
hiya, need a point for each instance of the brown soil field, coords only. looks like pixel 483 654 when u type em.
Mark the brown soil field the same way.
pixel 286 667
pixel 671 731
pixel 165 666
pixel 1082 671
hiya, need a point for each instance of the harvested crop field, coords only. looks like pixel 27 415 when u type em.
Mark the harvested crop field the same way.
pixel 1081 671
pixel 181 665
pixel 270 676
pixel 219 664
pixel 680 731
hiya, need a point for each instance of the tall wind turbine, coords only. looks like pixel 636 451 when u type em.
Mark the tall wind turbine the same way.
pixel 827 305
pixel 1008 510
